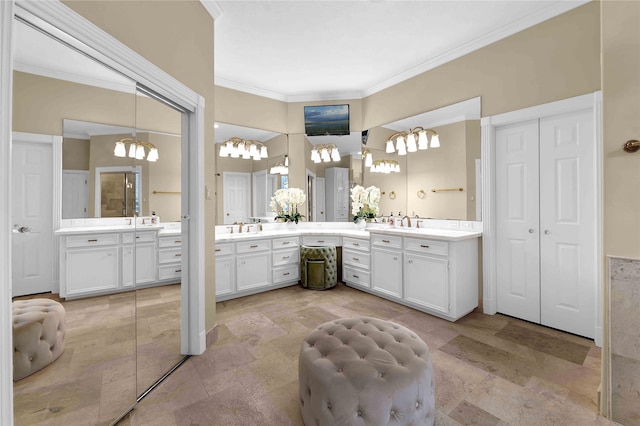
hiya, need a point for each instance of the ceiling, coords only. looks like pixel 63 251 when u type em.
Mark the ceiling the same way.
pixel 325 50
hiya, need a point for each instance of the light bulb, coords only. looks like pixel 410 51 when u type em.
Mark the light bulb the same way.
pixel 411 143
pixel 435 141
pixel 390 148
pixel 423 141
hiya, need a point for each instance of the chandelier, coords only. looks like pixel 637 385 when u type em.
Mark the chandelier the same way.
pixel 326 153
pixel 239 148
pixel 136 149
pixel 280 168
pixel 385 166
pixel 412 140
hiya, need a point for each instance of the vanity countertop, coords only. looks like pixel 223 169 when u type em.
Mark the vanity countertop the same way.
pixel 108 229
pixel 433 233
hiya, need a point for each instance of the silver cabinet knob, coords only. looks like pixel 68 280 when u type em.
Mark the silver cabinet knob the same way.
pixel 547 232
pixel 531 230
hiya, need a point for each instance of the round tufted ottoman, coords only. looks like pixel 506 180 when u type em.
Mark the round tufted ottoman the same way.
pixel 38 335
pixel 365 371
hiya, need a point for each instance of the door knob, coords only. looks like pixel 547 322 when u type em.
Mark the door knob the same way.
pixel 24 229
pixel 531 230
pixel 547 232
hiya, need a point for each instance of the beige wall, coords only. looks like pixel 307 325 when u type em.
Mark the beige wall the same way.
pixel 75 154
pixel 621 171
pixel 165 176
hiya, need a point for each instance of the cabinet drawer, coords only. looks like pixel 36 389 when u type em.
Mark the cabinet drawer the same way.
pixel 170 255
pixel 169 271
pixel 92 240
pixel 223 249
pixel 139 237
pixel 329 240
pixel 250 246
pixel 285 257
pixel 355 244
pixel 355 258
pixel 427 246
pixel 356 276
pixel 389 241
pixel 286 273
pixel 173 241
pixel 288 242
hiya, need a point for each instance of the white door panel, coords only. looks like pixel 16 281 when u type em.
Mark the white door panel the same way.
pixel 567 221
pixel 237 196
pixel 75 194
pixel 32 212
pixel 517 189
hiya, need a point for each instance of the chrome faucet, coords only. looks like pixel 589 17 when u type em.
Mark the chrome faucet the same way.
pixel 408 221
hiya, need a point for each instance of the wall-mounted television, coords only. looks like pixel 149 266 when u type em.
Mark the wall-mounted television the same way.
pixel 322 120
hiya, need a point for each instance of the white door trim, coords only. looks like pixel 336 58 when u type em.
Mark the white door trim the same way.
pixel 133 65
pixel 489 124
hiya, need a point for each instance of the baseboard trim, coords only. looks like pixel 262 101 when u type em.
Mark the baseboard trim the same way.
pixel 212 335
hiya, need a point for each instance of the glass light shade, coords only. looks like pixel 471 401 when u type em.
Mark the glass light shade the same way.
pixel 263 152
pixel 411 143
pixel 390 148
pixel 325 155
pixel 435 141
pixel 241 148
pixel 368 159
pixel 235 153
pixel 120 150
pixel 284 171
pixel 223 150
pixel 256 155
pixel 140 152
pixel 423 141
pixel 400 146
pixel 246 154
pixel 335 154
pixel 286 161
pixel 153 155
pixel 132 150
pixel 252 149
pixel 315 157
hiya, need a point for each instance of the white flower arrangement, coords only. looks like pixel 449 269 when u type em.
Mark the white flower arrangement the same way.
pixel 365 202
pixel 286 201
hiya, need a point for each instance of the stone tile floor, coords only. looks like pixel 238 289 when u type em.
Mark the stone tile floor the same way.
pixel 490 370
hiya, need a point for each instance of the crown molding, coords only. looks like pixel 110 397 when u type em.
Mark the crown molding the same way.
pixel 241 87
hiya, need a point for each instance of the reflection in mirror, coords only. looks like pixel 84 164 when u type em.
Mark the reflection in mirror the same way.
pixel 245 185
pixel 429 182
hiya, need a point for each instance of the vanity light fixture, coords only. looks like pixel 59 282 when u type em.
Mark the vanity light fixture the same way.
pixel 413 140
pixel 385 166
pixel 136 149
pixel 280 168
pixel 326 153
pixel 246 149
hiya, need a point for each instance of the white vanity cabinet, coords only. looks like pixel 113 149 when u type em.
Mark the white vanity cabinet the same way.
pixel 225 269
pixel 386 261
pixel 169 257
pixel 144 245
pixel 89 264
pixel 441 277
pixel 253 264
pixel 285 259
pixel 356 262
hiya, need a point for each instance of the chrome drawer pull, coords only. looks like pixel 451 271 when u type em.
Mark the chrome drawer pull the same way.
pixel 177 241
pixel 355 276
pixel 424 246
pixel 92 241
pixel 356 244
pixel 356 259
pixel 285 242
pixel 178 270
pixel 178 254
pixel 386 241
pixel 254 246
pixel 287 273
pixel 218 249
pixel 285 257
pixel 321 241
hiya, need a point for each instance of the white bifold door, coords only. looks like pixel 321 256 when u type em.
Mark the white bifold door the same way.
pixel 546 221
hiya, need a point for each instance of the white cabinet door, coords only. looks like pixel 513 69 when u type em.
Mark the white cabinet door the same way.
pixel 225 267
pixel 386 274
pixel 145 271
pixel 91 269
pixel 253 270
pixel 426 281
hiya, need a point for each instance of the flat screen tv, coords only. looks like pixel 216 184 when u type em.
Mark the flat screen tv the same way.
pixel 322 120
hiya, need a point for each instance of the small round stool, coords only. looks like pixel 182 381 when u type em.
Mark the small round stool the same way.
pixel 38 335
pixel 365 371
pixel 318 267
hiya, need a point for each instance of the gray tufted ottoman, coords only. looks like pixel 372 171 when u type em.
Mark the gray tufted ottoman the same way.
pixel 365 371
pixel 38 335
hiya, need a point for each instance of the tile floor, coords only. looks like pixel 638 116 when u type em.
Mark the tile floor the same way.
pixel 490 370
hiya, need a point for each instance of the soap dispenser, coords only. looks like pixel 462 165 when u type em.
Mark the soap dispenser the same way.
pixel 155 219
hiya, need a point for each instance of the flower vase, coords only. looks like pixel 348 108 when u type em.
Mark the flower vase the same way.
pixel 361 224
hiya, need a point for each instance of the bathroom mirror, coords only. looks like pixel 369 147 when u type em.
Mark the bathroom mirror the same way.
pixel 438 183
